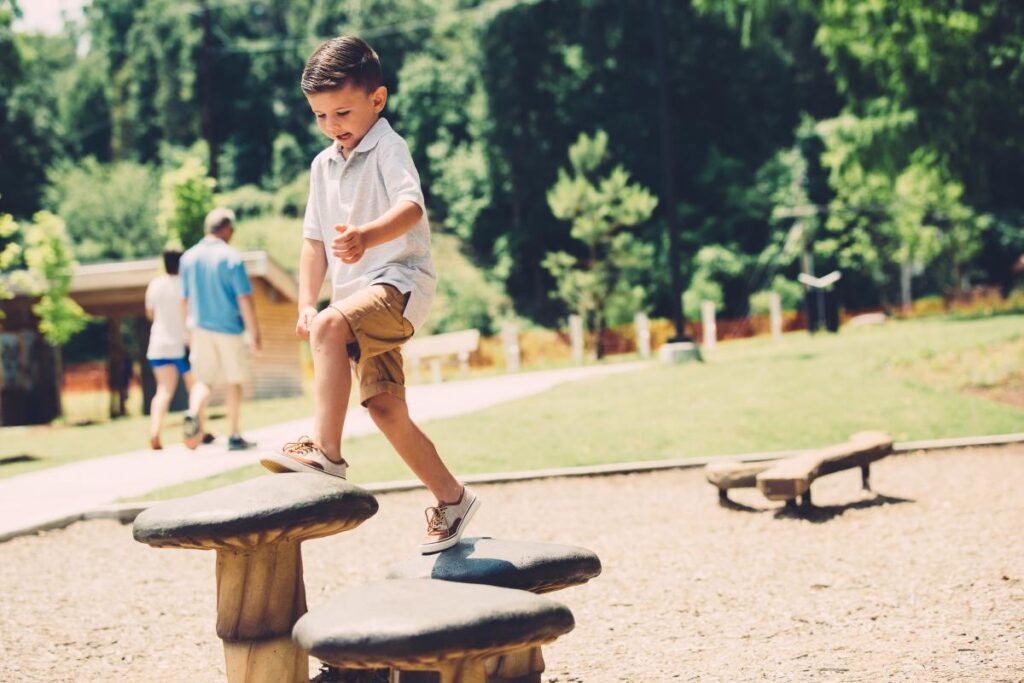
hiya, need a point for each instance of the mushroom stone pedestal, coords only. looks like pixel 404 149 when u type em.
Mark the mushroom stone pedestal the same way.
pixel 534 567
pixel 256 527
pixel 417 625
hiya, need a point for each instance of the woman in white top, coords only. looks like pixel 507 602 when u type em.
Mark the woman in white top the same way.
pixel 166 353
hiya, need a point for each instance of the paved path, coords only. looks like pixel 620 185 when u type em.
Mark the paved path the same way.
pixel 44 498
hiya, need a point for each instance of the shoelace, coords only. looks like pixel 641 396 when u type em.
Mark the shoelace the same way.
pixel 301 447
pixel 437 520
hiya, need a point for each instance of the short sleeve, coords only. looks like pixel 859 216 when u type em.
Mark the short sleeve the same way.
pixel 312 225
pixel 401 180
pixel 150 295
pixel 184 275
pixel 240 278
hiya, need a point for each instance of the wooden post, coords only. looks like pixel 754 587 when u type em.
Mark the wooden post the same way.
pixel 260 596
pixel 116 368
pixel 775 313
pixel 643 335
pixel 707 314
pixel 510 342
pixel 576 338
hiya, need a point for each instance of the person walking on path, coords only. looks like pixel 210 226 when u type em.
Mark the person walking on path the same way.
pixel 366 223
pixel 166 351
pixel 221 321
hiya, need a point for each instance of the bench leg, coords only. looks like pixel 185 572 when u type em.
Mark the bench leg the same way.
pixel 865 477
pixel 463 671
pixel 805 501
pixel 723 495
pixel 522 666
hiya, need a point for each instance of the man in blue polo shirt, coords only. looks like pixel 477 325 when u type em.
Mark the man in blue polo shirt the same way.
pixel 221 320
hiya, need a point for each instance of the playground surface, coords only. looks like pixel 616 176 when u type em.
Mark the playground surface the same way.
pixel 921 581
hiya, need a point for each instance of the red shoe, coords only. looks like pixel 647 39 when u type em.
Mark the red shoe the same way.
pixel 193 435
pixel 154 443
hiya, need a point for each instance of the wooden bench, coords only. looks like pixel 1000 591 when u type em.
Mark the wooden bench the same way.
pixel 257 528
pixel 438 347
pixel 788 479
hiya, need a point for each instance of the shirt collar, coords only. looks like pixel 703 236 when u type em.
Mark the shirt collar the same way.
pixel 369 141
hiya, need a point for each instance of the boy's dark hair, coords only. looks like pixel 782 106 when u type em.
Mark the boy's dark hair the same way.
pixel 172 257
pixel 340 61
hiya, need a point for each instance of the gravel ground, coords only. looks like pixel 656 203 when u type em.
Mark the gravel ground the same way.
pixel 922 582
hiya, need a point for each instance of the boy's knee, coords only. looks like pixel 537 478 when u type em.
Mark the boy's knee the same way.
pixel 385 408
pixel 330 326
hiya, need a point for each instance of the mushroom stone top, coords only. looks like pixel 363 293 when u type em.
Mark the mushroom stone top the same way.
pixel 415 622
pixel 269 509
pixel 535 567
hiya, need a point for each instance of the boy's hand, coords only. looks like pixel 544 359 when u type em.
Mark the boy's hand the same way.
pixel 306 316
pixel 350 244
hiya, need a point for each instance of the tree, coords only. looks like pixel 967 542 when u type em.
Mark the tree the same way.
pixel 110 209
pixel 186 196
pixel 10 250
pixel 600 210
pixel 48 256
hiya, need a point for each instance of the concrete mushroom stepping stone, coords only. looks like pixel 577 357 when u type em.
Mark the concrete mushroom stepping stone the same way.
pixel 415 625
pixel 534 567
pixel 257 527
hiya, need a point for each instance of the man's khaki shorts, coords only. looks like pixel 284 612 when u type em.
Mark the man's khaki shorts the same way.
pixel 375 315
pixel 219 358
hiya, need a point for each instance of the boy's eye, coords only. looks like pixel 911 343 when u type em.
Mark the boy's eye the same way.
pixel 342 113
pixel 320 116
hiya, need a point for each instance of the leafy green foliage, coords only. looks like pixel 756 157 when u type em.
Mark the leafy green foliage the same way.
pixel 48 255
pixel 186 196
pixel 10 251
pixel 600 209
pixel 110 209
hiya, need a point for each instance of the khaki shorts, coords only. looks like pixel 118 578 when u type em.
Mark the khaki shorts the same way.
pixel 219 358
pixel 376 318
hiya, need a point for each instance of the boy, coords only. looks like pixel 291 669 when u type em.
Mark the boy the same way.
pixel 366 224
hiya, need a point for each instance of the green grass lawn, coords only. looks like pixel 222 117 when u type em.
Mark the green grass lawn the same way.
pixel 750 395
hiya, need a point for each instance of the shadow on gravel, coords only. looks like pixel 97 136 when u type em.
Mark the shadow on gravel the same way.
pixel 816 514
pixel 824 513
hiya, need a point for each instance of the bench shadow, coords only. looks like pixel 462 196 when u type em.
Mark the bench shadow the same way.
pixel 730 504
pixel 819 514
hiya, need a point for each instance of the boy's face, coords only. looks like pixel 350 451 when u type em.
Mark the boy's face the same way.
pixel 344 115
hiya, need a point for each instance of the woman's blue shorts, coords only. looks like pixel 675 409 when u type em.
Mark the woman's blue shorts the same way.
pixel 180 363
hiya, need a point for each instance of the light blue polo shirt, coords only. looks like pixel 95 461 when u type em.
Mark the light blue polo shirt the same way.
pixel 212 278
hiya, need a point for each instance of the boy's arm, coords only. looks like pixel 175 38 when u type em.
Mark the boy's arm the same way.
pixel 312 269
pixel 353 241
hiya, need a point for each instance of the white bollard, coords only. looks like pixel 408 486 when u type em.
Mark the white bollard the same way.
pixel 643 335
pixel 576 337
pixel 435 370
pixel 510 342
pixel 775 311
pixel 707 317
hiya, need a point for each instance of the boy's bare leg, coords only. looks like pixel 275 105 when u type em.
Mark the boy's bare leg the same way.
pixel 329 336
pixel 391 414
pixel 234 406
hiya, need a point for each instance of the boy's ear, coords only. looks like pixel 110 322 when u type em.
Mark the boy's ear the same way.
pixel 379 97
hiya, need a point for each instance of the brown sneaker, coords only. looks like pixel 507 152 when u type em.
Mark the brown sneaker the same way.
pixel 154 443
pixel 304 456
pixel 447 521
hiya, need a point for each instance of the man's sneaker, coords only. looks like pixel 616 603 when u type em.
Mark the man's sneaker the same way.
pixel 447 521
pixel 304 456
pixel 193 435
pixel 208 438
pixel 237 443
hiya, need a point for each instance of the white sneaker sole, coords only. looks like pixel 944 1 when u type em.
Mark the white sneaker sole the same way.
pixel 431 548
pixel 280 464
